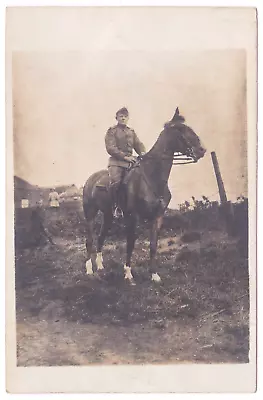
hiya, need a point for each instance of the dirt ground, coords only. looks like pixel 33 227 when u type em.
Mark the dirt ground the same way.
pixel 199 313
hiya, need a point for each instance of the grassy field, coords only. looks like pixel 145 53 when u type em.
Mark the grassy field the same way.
pixel 199 313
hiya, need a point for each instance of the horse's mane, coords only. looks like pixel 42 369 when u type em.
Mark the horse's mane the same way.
pixel 176 123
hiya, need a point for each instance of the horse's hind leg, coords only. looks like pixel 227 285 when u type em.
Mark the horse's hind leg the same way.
pixel 106 224
pixel 131 237
pixel 90 214
pixel 156 226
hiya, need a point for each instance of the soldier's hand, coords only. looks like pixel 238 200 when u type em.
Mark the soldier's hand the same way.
pixel 140 157
pixel 131 159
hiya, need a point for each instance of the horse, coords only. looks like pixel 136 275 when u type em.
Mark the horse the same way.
pixel 146 194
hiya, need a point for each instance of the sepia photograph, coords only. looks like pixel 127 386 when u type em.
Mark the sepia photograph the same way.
pixel 132 183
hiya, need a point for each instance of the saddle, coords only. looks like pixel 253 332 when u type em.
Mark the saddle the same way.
pixel 104 182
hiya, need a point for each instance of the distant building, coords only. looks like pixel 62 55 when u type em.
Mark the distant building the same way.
pixel 25 194
pixel 61 189
pixel 70 192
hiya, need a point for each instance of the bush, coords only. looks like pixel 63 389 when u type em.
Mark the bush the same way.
pixel 68 221
pixel 206 214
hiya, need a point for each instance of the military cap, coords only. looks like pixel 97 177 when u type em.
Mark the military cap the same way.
pixel 122 110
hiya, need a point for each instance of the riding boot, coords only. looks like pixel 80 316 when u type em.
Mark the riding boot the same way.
pixel 117 212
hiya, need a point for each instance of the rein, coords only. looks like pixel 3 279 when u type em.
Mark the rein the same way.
pixel 178 159
pixel 182 159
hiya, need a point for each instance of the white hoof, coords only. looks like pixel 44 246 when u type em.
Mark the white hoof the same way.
pixel 156 278
pixel 89 270
pixel 99 261
pixel 130 281
pixel 128 275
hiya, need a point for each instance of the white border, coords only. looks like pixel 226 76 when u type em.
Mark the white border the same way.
pixel 243 3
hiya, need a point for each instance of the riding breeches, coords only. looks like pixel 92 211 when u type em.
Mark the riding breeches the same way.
pixel 116 175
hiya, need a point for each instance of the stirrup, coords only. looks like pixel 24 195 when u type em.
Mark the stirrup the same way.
pixel 118 213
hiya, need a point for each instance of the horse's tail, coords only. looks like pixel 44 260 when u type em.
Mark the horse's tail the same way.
pixel 89 203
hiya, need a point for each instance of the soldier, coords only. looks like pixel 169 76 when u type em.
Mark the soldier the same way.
pixel 53 199
pixel 120 141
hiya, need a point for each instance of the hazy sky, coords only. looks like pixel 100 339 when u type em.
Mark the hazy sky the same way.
pixel 65 101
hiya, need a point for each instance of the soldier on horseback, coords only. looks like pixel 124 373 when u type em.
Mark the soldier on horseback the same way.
pixel 120 141
pixel 146 188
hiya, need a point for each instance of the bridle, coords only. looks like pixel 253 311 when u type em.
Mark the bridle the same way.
pixel 178 158
pixel 188 157
pixel 182 159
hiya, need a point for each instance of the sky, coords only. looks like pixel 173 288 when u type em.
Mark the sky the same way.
pixel 64 102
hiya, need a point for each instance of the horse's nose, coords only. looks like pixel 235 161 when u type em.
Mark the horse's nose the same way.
pixel 202 150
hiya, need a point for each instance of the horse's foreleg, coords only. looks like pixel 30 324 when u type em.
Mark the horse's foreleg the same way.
pixel 91 265
pixel 156 226
pixel 107 222
pixel 130 232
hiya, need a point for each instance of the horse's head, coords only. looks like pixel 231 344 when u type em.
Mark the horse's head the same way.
pixel 183 139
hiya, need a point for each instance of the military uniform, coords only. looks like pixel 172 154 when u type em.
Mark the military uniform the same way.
pixel 120 140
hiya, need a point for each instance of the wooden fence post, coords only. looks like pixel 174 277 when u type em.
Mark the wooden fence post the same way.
pixel 226 205
pixel 219 179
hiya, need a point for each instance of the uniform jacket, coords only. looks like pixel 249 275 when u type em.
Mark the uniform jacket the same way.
pixel 120 141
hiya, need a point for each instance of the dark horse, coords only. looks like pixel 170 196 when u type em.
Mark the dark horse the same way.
pixel 146 194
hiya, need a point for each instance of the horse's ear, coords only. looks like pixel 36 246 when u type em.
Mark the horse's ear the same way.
pixel 175 114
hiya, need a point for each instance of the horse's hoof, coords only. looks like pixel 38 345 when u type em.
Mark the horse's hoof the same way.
pixel 97 276
pixel 89 270
pixel 130 281
pixel 128 277
pixel 156 278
